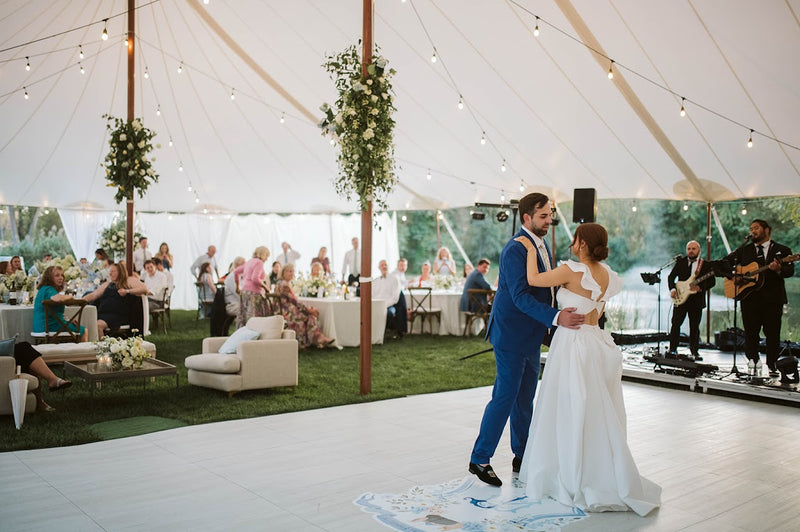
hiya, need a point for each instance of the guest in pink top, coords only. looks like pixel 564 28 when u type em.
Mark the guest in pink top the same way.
pixel 253 283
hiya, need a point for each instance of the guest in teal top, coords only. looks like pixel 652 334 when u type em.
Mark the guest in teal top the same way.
pixel 50 284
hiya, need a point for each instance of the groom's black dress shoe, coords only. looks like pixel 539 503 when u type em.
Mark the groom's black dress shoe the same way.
pixel 485 474
pixel 516 463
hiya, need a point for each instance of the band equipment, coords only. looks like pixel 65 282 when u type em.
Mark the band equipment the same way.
pixel 584 205
pixel 685 368
pixel 747 278
pixel 683 289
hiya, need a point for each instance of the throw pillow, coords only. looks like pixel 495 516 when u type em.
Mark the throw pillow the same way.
pixel 269 327
pixel 7 347
pixel 241 335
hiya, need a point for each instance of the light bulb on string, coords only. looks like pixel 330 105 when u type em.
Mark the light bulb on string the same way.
pixel 536 28
pixel 26 93
pixel 205 211
pixel 502 197
pixel 404 218
pixel 180 166
pixel 197 200
pixel 521 186
pixel 744 209
pixel 685 205
pixel 80 51
pixel 283 118
pixel 503 167
pixel 611 70
pixel 429 175
pixel 683 109
pixel 433 57
pixel 126 43
pixel 180 67
pixel 634 208
pixel 332 141
pixel 189 188
pixel 206 2
pixel 158 111
pixel 146 73
pixel 483 138
pixel 27 64
pixel 83 71
pixel 233 95
pixel 750 140
pixel 460 102
pixel 170 142
pixel 105 30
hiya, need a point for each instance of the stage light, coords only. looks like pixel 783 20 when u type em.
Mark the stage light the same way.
pixel 478 215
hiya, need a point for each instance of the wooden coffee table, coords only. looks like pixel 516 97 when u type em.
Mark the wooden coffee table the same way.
pixel 92 373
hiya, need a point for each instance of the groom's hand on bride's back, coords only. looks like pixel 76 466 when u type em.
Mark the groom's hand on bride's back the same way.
pixel 570 319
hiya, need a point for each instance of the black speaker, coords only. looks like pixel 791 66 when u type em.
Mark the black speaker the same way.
pixel 584 205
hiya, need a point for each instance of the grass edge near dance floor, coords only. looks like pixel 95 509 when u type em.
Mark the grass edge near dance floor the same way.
pixel 411 366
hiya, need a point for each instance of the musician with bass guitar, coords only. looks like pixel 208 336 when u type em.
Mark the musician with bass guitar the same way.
pixel 760 269
pixel 689 280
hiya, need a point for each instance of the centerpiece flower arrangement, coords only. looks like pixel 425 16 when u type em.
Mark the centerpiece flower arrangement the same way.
pixel 443 282
pixel 112 238
pixel 360 122
pixel 121 353
pixel 127 164
pixel 311 286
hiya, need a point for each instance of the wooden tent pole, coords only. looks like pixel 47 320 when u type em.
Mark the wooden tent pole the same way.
pixel 366 232
pixel 708 257
pixel 131 70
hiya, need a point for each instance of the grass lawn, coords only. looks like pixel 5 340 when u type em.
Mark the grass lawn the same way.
pixel 411 366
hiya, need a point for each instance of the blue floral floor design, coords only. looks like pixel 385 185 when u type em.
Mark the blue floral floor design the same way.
pixel 467 504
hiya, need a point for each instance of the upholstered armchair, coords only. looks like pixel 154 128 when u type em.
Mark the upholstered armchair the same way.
pixel 8 369
pixel 266 361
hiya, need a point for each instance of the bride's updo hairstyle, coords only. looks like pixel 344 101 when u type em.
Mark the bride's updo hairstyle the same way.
pixel 595 237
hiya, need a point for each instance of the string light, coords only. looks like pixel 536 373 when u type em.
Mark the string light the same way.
pixel 27 64
pixel 433 57
pixel 611 70
pixel 403 218
pixel 283 118
pixel 170 142
pixel 26 92
pixel 503 167
pixel 744 209
pixel 180 67
pixel 460 102
pixel 750 140
pixel 82 69
pixel 105 29
pixel 332 142
pixel 205 211
pixel 634 208
pixel 521 186
pixel 158 111
pixel 685 205
pixel 502 197
pixel 80 51
pixel 536 28
pixel 47 211
pixel 126 43
pixel 180 166
pixel 146 73
pixel 483 138
pixel 206 2
pixel 683 109
pixel 429 175
pixel 233 96
pixel 197 200
pixel 189 188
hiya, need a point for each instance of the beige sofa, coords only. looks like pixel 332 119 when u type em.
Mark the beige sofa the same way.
pixel 266 362
pixel 8 368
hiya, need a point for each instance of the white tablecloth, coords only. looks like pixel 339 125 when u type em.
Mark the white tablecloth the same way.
pixel 452 319
pixel 19 319
pixel 341 319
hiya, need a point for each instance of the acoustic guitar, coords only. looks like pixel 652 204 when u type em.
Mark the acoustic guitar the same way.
pixel 683 289
pixel 748 278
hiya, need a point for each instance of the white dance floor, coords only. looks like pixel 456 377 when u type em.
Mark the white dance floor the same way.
pixel 724 464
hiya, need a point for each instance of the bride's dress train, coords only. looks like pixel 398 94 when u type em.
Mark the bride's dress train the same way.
pixel 577 451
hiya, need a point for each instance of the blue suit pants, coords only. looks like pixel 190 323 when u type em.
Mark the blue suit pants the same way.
pixel 512 398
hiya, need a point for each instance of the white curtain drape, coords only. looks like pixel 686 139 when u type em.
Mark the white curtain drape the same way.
pixel 82 227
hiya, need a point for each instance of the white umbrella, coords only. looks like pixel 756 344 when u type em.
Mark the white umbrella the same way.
pixel 19 390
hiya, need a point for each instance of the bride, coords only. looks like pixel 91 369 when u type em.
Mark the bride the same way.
pixel 577 451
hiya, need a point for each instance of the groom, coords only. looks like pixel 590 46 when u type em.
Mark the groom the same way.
pixel 521 315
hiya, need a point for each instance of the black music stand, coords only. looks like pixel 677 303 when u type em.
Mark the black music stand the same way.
pixel 651 279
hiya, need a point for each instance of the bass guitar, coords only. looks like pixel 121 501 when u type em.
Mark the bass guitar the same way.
pixel 683 289
pixel 748 278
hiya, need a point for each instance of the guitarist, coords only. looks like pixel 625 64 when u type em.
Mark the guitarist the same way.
pixel 686 267
pixel 763 308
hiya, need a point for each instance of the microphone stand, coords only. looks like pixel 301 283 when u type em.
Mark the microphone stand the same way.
pixel 735 370
pixel 653 278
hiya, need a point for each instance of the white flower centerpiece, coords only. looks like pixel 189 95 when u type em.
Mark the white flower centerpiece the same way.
pixel 361 123
pixel 443 282
pixel 313 286
pixel 112 238
pixel 127 164
pixel 121 353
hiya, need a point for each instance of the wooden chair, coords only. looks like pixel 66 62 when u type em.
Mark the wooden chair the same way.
pixel 421 306
pixel 203 306
pixel 273 304
pixel 63 334
pixel 160 312
pixel 480 306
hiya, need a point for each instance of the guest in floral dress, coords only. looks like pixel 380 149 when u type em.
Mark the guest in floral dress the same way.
pixel 253 284
pixel 303 320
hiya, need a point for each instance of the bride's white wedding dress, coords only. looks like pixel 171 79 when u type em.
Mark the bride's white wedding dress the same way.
pixel 577 451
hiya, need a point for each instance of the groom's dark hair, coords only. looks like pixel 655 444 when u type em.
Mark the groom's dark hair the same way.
pixel 528 204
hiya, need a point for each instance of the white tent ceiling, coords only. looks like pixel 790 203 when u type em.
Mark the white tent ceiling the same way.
pixel 545 104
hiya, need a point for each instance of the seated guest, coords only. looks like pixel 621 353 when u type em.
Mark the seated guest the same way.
pixel 165 256
pixel 468 269
pixel 388 288
pixel 425 277
pixel 206 289
pixel 51 283
pixel 301 319
pixel 275 275
pixel 475 280
pixel 253 284
pixel 400 272
pixel 114 299
pixel 5 267
pixel 168 274
pixel 156 283
pixel 232 289
pixel 317 270
pixel 15 265
pixel 322 259
pixel 31 362
pixel 444 263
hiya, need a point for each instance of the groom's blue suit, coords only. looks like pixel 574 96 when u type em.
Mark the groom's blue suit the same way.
pixel 521 315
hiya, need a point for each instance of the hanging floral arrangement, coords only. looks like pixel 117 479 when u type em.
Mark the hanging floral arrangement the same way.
pixel 360 122
pixel 128 167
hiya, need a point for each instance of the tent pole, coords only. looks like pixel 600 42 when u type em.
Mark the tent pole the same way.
pixel 708 257
pixel 131 85
pixel 366 232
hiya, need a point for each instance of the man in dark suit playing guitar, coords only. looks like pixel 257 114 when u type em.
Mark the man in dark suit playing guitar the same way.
pixel 763 299
pixel 695 277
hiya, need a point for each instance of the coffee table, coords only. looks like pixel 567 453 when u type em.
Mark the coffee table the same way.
pixel 91 372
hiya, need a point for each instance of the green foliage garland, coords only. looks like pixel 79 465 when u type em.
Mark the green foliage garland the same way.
pixel 127 165
pixel 361 123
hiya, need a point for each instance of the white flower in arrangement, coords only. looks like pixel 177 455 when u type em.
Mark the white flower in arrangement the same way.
pixel 369 82
pixel 373 98
pixel 122 137
pixel 381 62
pixel 126 353
pixel 339 118
pixel 374 111
pixel 136 124
pixel 125 164
pixel 368 134
pixel 357 86
pixel 324 107
pixel 141 144
pixel 130 146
